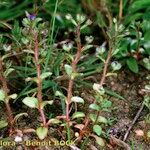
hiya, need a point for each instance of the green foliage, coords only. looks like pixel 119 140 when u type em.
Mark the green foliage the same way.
pixel 56 46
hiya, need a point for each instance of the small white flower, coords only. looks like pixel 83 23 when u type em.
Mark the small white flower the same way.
pixel 120 28
pixel 115 65
pixel 80 18
pixel 18 139
pixel 67 47
pixel 100 50
pixel 88 22
pixel 68 16
pixel 141 50
pixel 89 39
pixel 133 51
pixel 98 88
pixel 114 20
pixel 6 47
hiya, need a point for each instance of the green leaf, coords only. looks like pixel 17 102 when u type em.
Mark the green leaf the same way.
pixel 44 103
pixel 133 65
pixel 13 96
pixel 94 107
pixel 112 93
pixel 8 71
pixel 2 95
pixel 58 93
pixel 68 69
pixel 106 103
pixel 102 119
pixel 148 134
pixel 78 115
pixel 31 102
pixel 97 129
pixel 41 132
pixel 3 124
pixel 77 99
pixel 45 75
pixel 93 117
pixel 53 121
pixel 20 115
pixel 99 140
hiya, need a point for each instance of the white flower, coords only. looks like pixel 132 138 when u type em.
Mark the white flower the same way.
pixel 88 22
pixel 98 88
pixel 100 50
pixel 6 47
pixel 80 18
pixel 68 16
pixel 67 47
pixel 18 139
pixel 89 39
pixel 115 65
pixel 114 20
pixel 141 50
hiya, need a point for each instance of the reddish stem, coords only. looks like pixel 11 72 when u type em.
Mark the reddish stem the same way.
pixel 10 117
pixel 74 67
pixel 39 83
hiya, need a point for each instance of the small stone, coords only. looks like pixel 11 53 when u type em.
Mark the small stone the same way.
pixel 139 132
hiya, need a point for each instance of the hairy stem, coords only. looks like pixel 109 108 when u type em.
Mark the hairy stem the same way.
pixel 39 83
pixel 102 80
pixel 74 67
pixel 10 117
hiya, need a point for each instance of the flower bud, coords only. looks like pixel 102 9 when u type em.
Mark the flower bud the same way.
pixel 115 65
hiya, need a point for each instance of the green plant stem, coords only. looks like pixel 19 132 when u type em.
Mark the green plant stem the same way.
pixel 10 118
pixel 102 80
pixel 39 83
pixel 68 132
pixel 51 36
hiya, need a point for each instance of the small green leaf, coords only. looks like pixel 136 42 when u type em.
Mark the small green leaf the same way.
pixel 78 115
pixel 13 96
pixel 77 99
pixel 99 141
pixel 148 134
pixel 20 115
pixel 44 103
pixel 8 71
pixel 97 129
pixel 58 93
pixel 93 117
pixel 41 132
pixel 102 119
pixel 112 93
pixel 3 124
pixel 53 121
pixel 133 65
pixel 2 95
pixel 31 102
pixel 94 107
pixel 106 103
pixel 45 75
pixel 68 69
